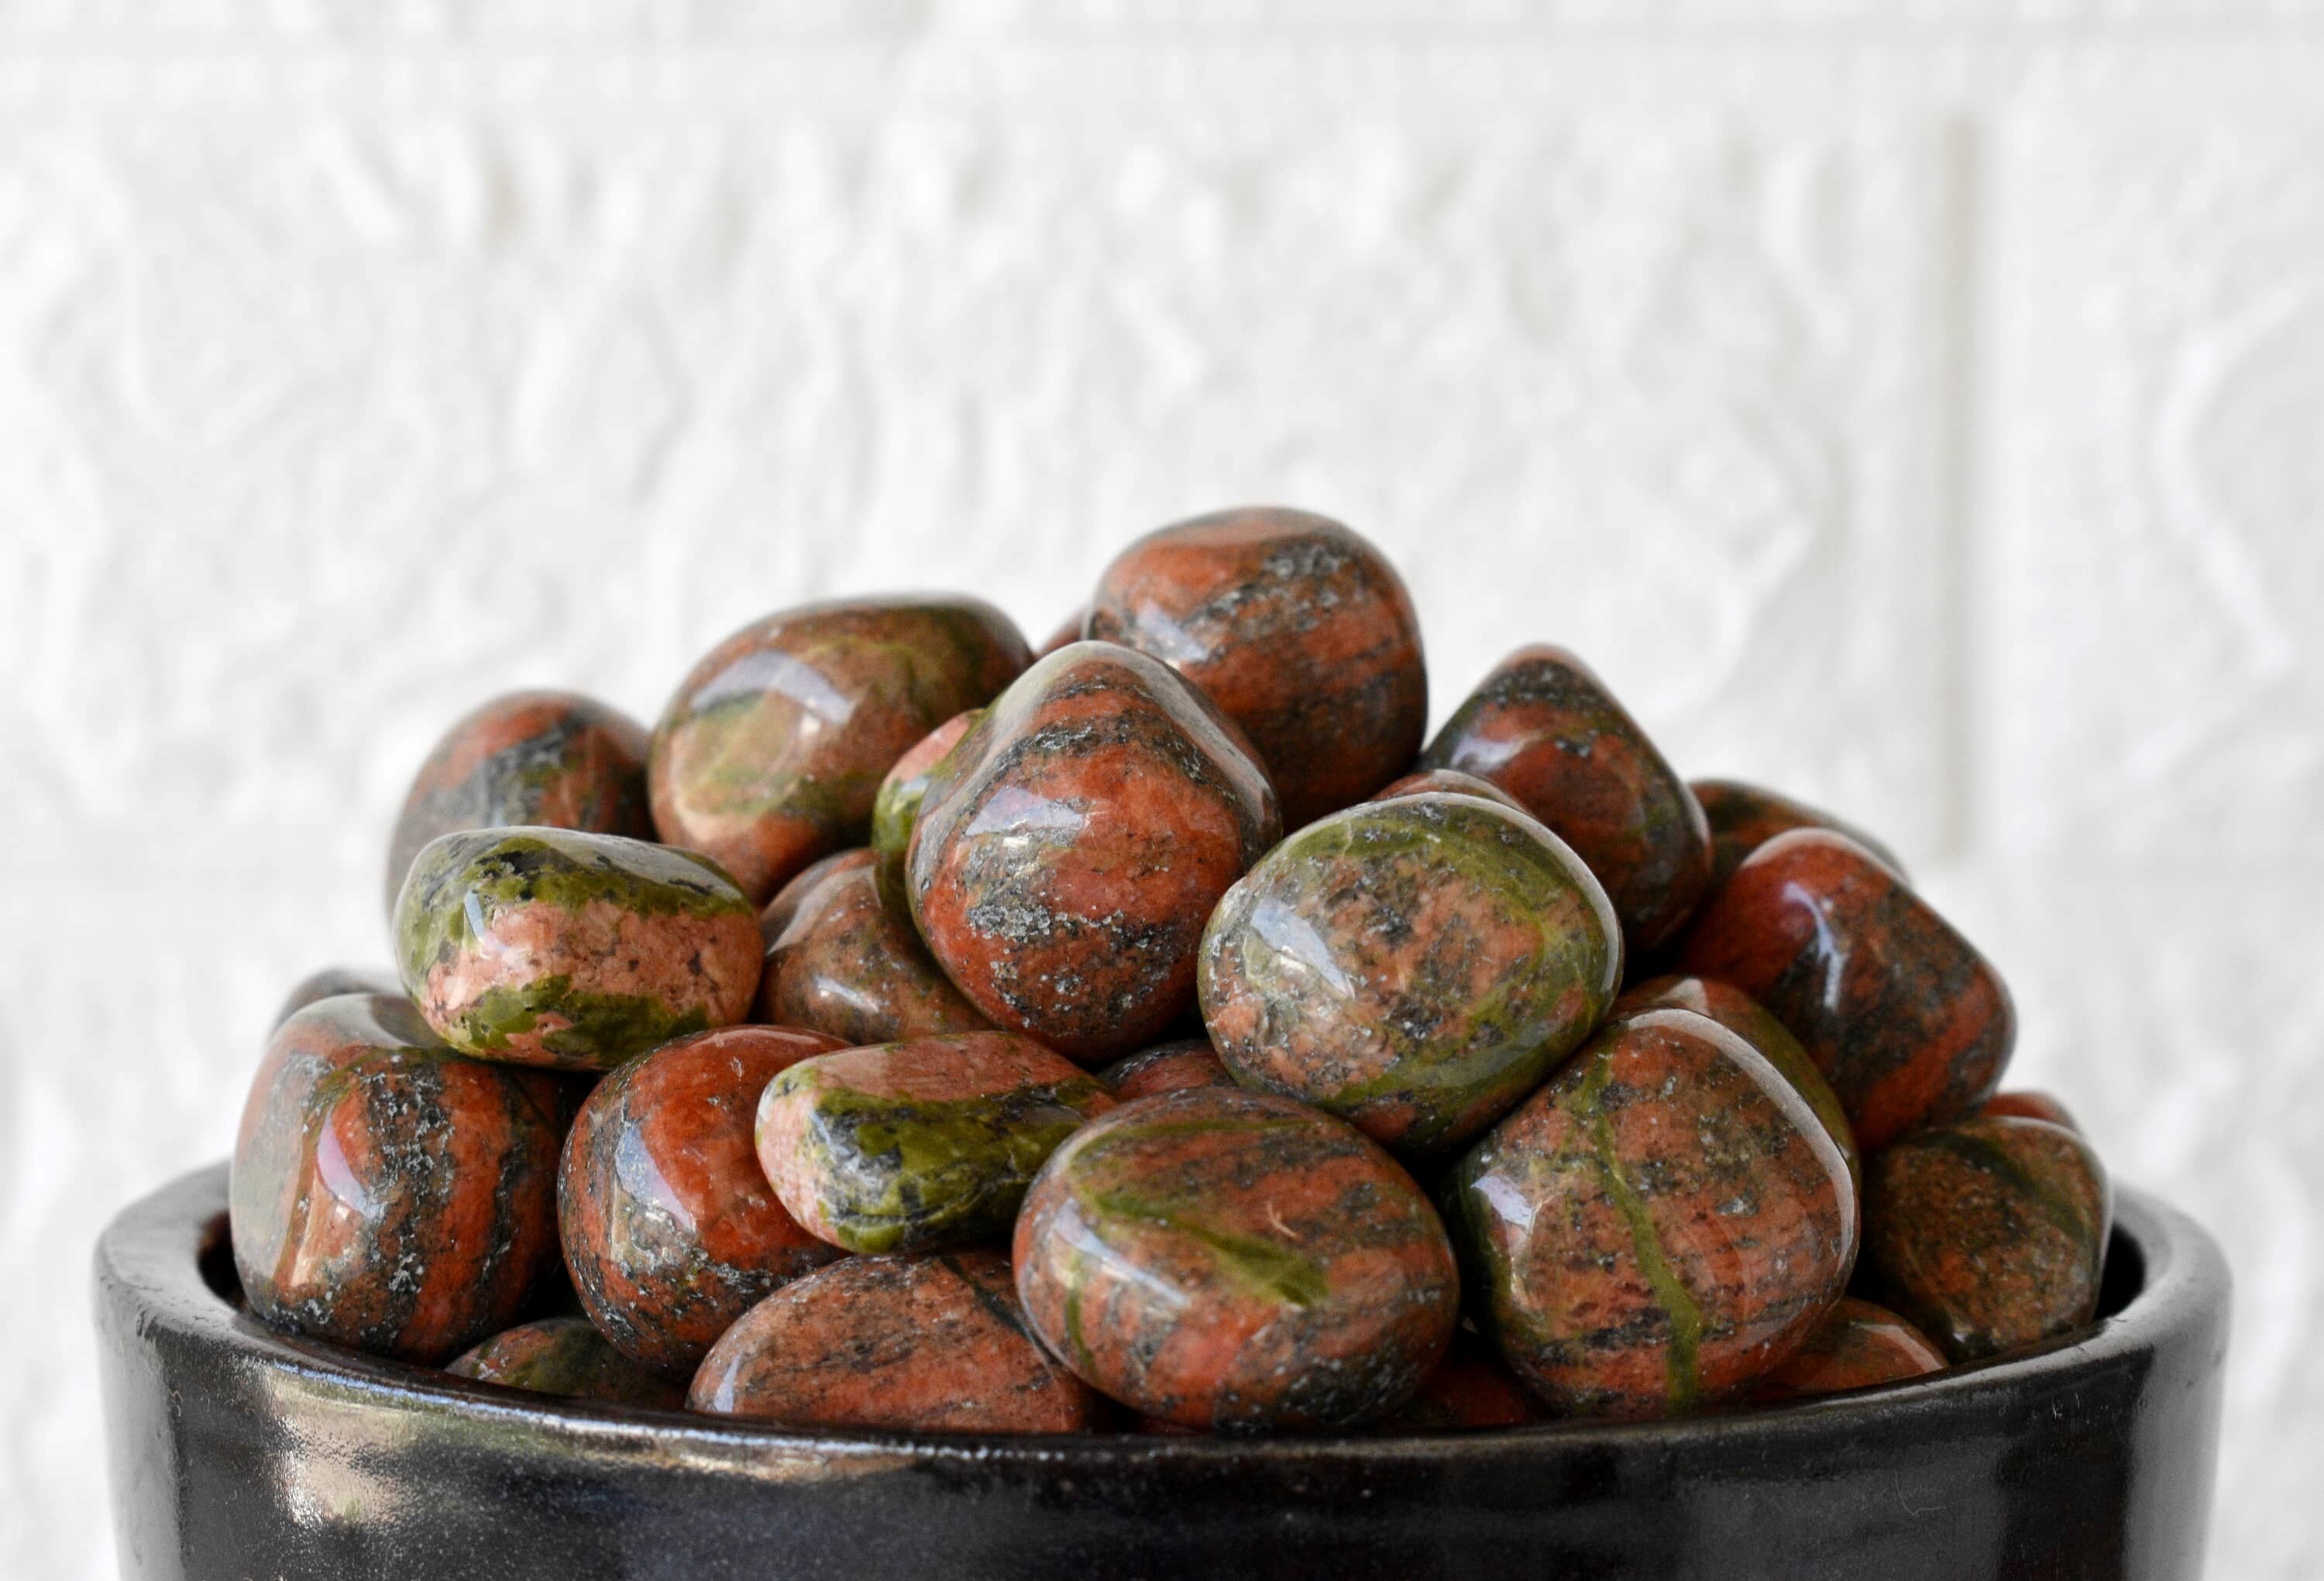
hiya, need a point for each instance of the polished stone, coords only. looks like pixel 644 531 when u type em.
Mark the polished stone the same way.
pixel 896 810
pixel 1545 729
pixel 1744 817
pixel 329 983
pixel 549 758
pixel 1071 846
pixel 1910 1023
pixel 670 1229
pixel 1659 1225
pixel 1449 782
pixel 547 947
pixel 387 1193
pixel 1857 1345
pixel 848 964
pixel 930 1344
pixel 565 1356
pixel 1294 625
pixel 1414 966
pixel 1990 1235
pixel 916 1145
pixel 1237 1262
pixel 771 751
pixel 1166 1067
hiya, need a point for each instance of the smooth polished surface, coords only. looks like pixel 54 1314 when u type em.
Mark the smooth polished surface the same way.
pixel 238 1451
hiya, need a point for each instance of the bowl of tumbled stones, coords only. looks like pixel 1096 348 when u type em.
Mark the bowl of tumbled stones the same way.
pixel 926 1107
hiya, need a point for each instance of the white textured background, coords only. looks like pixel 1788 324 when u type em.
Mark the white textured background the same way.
pixel 1920 407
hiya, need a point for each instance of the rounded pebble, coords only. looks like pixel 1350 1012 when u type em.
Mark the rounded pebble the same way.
pixel 847 963
pixel 1166 1067
pixel 1071 846
pixel 386 1193
pixel 567 1357
pixel 670 1229
pixel 1745 817
pixel 933 1344
pixel 1470 1391
pixel 1857 1346
pixel 1414 966
pixel 896 808
pixel 545 947
pixel 1237 1262
pixel 1912 1026
pixel 2029 1106
pixel 1297 628
pixel 1450 782
pixel 553 759
pixel 1990 1235
pixel 1662 1223
pixel 1544 729
pixel 771 752
pixel 328 984
pixel 913 1145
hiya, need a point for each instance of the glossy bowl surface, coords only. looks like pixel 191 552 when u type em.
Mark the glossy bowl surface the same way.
pixel 238 1451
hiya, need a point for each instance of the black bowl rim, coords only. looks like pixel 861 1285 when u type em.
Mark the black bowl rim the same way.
pixel 151 1253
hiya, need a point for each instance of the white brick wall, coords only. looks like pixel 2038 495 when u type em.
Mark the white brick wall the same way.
pixel 1921 407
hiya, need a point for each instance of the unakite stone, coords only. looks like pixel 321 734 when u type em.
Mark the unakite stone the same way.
pixel 329 983
pixel 1297 628
pixel 896 808
pixel 771 752
pixel 1857 1345
pixel 1448 781
pixel 550 947
pixel 1911 1025
pixel 555 760
pixel 1237 1262
pixel 915 1146
pixel 567 1357
pixel 1744 817
pixel 1740 1013
pixel 670 1229
pixel 927 1344
pixel 387 1193
pixel 846 962
pixel 1662 1223
pixel 1166 1067
pixel 1547 730
pixel 1990 1234
pixel 1071 847
pixel 1416 966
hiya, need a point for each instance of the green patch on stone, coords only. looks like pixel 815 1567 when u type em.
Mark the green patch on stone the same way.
pixel 900 1175
pixel 604 1030
pixel 460 882
pixel 1671 1294
pixel 1269 1268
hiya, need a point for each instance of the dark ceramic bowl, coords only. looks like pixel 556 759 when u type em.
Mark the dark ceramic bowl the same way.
pixel 240 1452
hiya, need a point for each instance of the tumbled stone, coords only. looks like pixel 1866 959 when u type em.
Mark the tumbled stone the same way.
pixel 1744 1015
pixel 1990 1235
pixel 1662 1222
pixel 777 914
pixel 2029 1106
pixel 1166 1067
pixel 771 752
pixel 1451 782
pixel 910 1146
pixel 1297 628
pixel 567 1357
pixel 1910 1023
pixel 932 1344
pixel 670 1229
pixel 386 1193
pixel 1065 635
pixel 1471 1390
pixel 848 964
pixel 1237 1262
pixel 896 808
pixel 553 759
pixel 1414 966
pixel 1745 817
pixel 547 947
pixel 1071 846
pixel 1544 729
pixel 1855 1345
pixel 329 983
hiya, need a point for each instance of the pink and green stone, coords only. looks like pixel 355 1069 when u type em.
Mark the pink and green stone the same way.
pixel 1416 966
pixel 567 1357
pixel 550 947
pixel 1661 1223
pixel 916 1145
